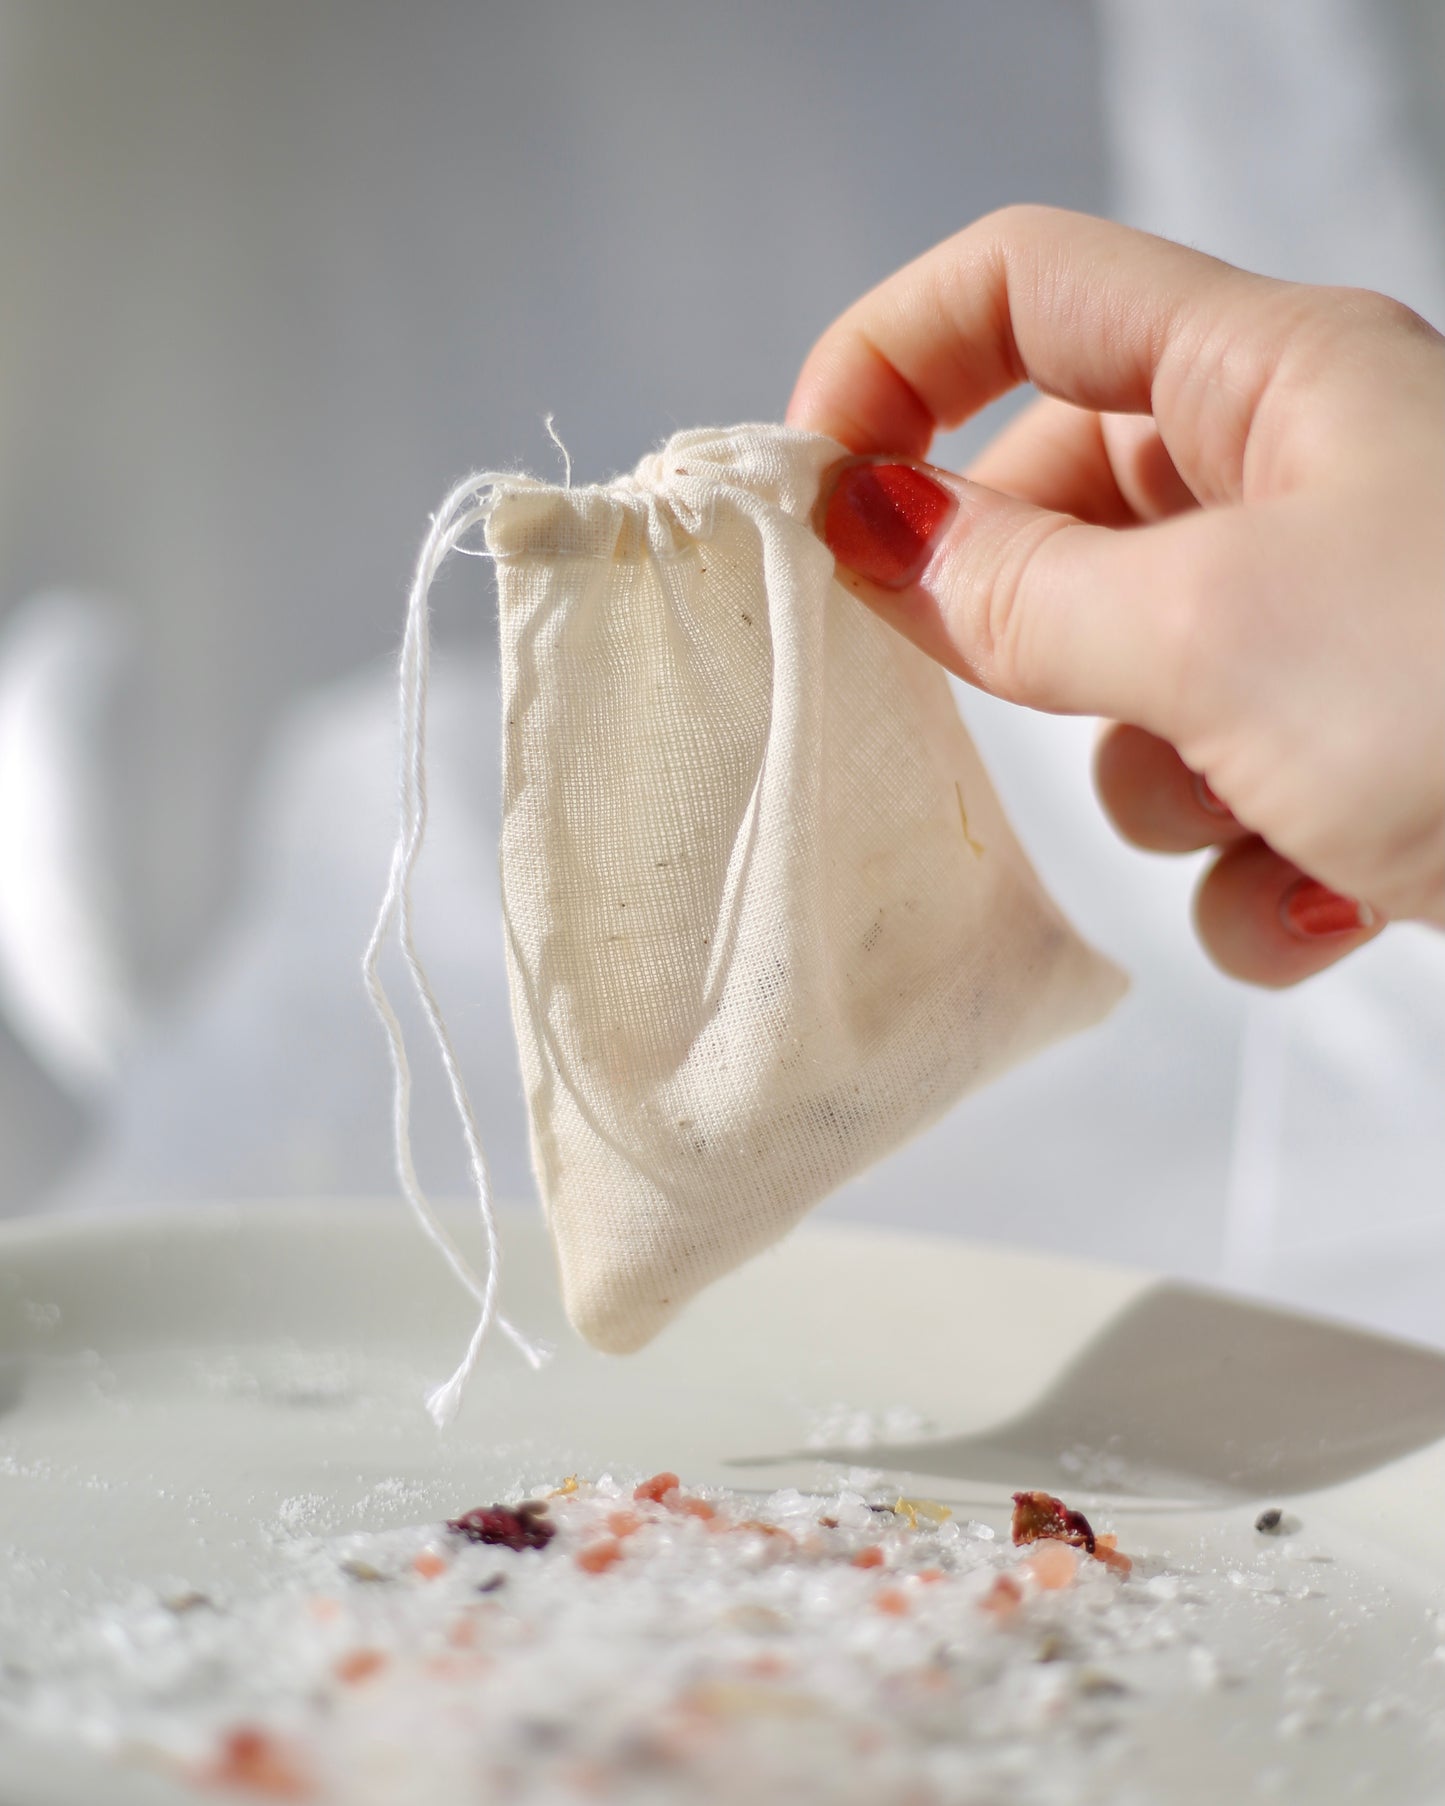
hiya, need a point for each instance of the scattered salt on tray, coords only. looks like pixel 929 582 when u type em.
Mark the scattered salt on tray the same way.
pixel 644 1642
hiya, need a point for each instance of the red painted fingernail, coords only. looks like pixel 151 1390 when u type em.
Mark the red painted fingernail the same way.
pixel 1209 798
pixel 882 520
pixel 1311 912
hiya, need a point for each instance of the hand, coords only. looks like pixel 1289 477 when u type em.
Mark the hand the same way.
pixel 1223 528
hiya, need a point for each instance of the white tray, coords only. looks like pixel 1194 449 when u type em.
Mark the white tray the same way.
pixel 179 1391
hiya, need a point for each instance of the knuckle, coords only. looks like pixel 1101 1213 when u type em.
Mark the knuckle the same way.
pixel 1367 308
pixel 1014 625
pixel 1019 219
pixel 1328 329
pixel 1195 626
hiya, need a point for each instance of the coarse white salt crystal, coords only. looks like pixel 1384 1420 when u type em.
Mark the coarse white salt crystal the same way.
pixel 790 1503
pixel 301 1512
pixel 1262 1584
pixel 719 1647
pixel 863 1479
pixel 1300 1552
pixel 852 1511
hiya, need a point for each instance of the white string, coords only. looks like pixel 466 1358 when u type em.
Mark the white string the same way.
pixel 566 455
pixel 467 505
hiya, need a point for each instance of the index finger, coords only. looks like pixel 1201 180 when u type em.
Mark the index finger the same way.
pixel 1088 311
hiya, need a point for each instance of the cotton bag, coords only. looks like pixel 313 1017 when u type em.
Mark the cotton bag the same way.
pixel 764 916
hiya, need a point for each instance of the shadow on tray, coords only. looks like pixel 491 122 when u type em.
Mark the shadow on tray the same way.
pixel 1191 1394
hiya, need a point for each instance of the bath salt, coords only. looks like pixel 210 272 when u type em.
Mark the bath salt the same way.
pixel 765 918
pixel 616 1641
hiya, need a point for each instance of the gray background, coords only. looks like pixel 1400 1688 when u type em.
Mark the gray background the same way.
pixel 277 273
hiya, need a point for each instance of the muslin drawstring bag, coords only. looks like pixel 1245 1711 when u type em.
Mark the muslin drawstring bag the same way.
pixel 764 916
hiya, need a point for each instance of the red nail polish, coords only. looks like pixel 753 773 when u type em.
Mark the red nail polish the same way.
pixel 882 520
pixel 1311 911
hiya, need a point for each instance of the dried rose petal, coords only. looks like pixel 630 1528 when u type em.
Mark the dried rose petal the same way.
pixel 1040 1514
pixel 525 1526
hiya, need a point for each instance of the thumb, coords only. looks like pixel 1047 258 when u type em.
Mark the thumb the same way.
pixel 1036 607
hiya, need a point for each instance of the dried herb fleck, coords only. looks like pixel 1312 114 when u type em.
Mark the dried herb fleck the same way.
pixel 356 1569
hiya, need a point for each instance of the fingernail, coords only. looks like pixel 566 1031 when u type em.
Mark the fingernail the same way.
pixel 1209 799
pixel 1312 912
pixel 882 520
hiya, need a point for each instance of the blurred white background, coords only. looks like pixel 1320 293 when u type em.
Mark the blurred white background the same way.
pixel 276 273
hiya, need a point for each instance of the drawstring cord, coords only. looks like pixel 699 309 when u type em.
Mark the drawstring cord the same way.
pixel 468 505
